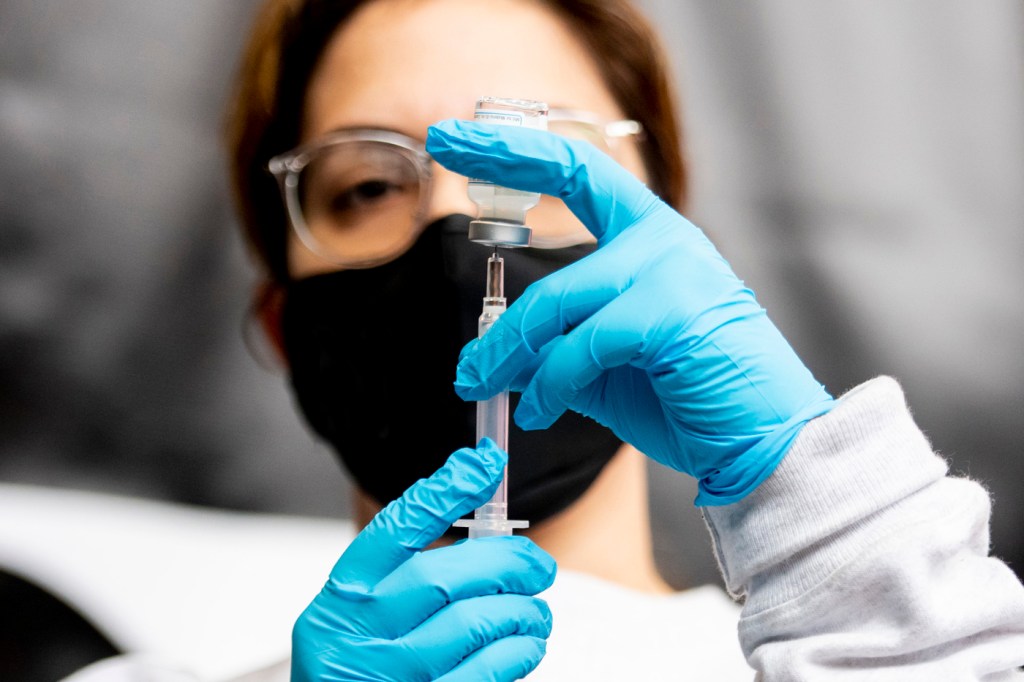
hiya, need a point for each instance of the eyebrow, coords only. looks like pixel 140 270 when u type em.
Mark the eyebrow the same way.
pixel 370 126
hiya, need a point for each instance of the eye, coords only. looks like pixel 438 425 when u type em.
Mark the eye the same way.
pixel 364 195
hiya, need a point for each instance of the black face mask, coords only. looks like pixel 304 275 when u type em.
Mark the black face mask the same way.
pixel 373 353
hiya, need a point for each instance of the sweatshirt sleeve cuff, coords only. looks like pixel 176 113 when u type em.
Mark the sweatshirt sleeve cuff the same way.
pixel 814 513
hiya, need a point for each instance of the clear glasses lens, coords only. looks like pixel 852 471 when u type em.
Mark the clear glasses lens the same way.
pixel 359 202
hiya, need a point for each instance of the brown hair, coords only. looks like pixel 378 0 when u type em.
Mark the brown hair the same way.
pixel 285 45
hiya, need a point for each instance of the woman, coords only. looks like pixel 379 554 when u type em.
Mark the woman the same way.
pixel 374 287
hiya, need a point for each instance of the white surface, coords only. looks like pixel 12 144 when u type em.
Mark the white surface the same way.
pixel 212 595
pixel 212 592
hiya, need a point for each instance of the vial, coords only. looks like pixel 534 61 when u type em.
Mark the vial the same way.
pixel 501 216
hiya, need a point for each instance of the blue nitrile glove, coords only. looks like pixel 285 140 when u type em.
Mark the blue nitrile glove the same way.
pixel 455 614
pixel 652 335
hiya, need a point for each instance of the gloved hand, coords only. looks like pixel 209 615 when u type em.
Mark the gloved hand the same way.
pixel 460 613
pixel 652 335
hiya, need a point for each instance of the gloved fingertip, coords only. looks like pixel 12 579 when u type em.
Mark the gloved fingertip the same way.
pixel 468 384
pixel 493 457
pixel 548 569
pixel 544 611
pixel 532 658
pixel 542 645
pixel 552 568
pixel 469 391
pixel 538 558
pixel 489 449
pixel 473 472
pixel 529 418
pixel 485 452
pixel 441 134
pixel 468 349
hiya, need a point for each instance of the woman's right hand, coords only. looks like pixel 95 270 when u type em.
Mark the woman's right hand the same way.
pixel 390 611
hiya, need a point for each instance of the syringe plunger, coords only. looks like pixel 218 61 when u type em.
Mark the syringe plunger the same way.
pixel 495 278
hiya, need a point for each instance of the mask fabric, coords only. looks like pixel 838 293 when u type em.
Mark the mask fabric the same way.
pixel 372 355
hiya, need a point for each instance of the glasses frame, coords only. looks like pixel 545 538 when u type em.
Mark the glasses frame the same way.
pixel 287 169
pixel 609 130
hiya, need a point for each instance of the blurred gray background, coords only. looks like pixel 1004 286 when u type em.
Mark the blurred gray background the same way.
pixel 860 162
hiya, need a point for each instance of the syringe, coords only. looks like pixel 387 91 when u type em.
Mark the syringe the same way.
pixel 491 519
pixel 501 221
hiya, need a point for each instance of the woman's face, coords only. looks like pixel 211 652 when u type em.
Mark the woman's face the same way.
pixel 406 64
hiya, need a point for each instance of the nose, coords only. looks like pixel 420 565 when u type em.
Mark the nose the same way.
pixel 448 194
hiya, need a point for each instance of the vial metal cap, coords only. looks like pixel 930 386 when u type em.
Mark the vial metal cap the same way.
pixel 499 233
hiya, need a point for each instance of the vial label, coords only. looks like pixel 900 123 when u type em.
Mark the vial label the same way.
pixel 508 118
pixel 511 118
pixel 500 117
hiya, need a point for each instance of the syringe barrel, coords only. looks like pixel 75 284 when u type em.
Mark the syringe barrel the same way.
pixel 492 414
pixel 491 519
pixel 492 422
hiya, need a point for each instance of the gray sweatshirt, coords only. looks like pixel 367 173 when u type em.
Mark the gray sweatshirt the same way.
pixel 859 558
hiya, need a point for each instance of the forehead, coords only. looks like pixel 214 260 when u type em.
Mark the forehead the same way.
pixel 405 64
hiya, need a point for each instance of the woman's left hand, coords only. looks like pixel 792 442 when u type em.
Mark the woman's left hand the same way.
pixel 652 335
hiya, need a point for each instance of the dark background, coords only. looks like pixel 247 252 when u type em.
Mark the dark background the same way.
pixel 861 164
